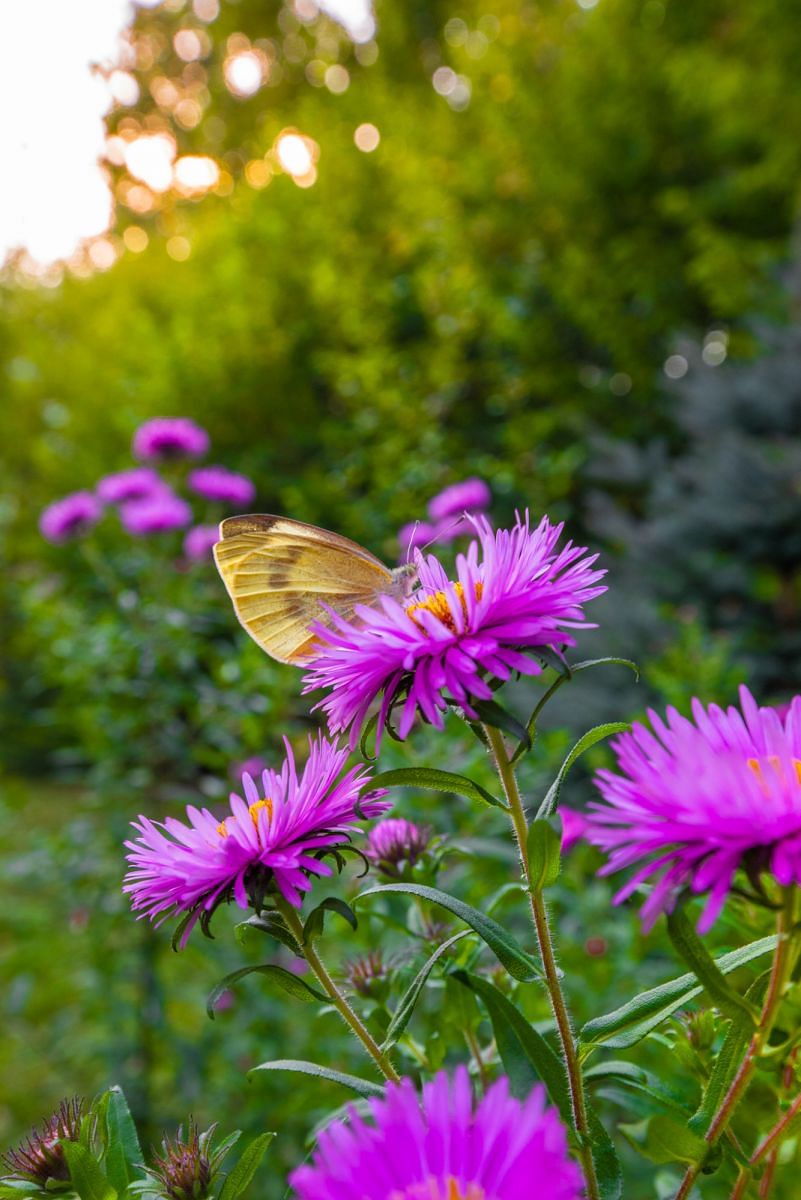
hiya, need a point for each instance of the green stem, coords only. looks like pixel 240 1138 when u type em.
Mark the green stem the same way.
pixel 539 916
pixel 336 997
pixel 783 961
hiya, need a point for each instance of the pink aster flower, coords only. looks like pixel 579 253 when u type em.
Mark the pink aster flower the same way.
pixel 394 842
pixel 199 541
pixel 515 592
pixel 473 495
pixel 443 1146
pixel 170 437
pixel 696 800
pixel 136 484
pixel 70 517
pixel 156 514
pixel 272 841
pixel 218 483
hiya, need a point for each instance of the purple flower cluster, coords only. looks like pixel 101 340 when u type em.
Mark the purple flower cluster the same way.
pixel 696 800
pixel 138 483
pixel 515 592
pixel 157 513
pixel 272 839
pixel 199 541
pixel 443 1146
pixel 169 437
pixel 70 517
pixel 217 483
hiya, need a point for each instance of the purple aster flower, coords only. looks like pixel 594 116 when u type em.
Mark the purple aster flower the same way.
pixel 199 541
pixel 136 484
pixel 70 517
pixel 169 437
pixel 698 799
pixel 396 841
pixel 473 495
pixel 515 591
pixel 574 826
pixel 443 1146
pixel 270 842
pixel 218 483
pixel 156 514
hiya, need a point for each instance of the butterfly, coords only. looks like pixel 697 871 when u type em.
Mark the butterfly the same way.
pixel 280 573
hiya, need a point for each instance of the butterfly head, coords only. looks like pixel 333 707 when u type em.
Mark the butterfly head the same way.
pixel 403 580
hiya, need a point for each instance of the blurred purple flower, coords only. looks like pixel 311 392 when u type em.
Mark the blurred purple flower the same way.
pixel 414 535
pixel 157 514
pixel 251 766
pixel 395 841
pixel 443 1146
pixel 270 841
pixel 70 517
pixel 698 799
pixel 574 826
pixel 218 483
pixel 170 437
pixel 135 484
pixel 199 541
pixel 444 643
pixel 472 496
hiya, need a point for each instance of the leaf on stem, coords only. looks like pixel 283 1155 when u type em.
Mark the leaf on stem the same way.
pixel 437 781
pixel 283 979
pixel 364 1087
pixel 241 1175
pixel 492 714
pixel 407 1002
pixel 544 850
pixel 589 739
pixel 703 966
pixel 565 677
pixel 314 926
pixel 509 954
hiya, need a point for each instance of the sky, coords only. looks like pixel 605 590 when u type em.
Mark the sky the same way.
pixel 54 192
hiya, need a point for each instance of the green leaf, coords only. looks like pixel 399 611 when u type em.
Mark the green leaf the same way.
pixel 407 1002
pixel 703 966
pixel 509 954
pixel 315 922
pixel 246 1167
pixel 604 1156
pixel 565 677
pixel 526 1056
pixel 87 1178
pixel 491 713
pixel 638 1081
pixel 296 987
pixel 437 781
pixel 663 1139
pixel 364 1087
pixel 271 924
pixel 627 1025
pixel 589 739
pixel 544 848
pixel 124 1156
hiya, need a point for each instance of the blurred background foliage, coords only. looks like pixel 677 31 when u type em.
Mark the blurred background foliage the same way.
pixel 567 266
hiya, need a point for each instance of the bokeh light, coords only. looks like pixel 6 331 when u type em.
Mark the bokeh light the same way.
pixel 367 137
pixel 297 155
pixel 149 158
pixel 245 72
pixel 195 173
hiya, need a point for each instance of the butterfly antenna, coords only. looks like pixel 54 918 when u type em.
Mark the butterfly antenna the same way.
pixel 411 542
pixel 441 532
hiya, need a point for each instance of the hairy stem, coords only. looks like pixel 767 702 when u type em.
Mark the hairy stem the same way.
pixel 539 916
pixel 782 966
pixel 336 997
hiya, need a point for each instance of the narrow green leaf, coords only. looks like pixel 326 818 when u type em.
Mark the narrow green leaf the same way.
pixel 727 1062
pixel 565 677
pixel 85 1173
pixel 492 714
pixel 239 1178
pixel 315 922
pixel 407 1002
pixel 364 1087
pixel 124 1156
pixel 526 1056
pixel 544 845
pixel 271 924
pixel 284 979
pixel 701 963
pixel 589 739
pixel 607 1165
pixel 627 1025
pixel 509 954
pixel 437 781
pixel 638 1081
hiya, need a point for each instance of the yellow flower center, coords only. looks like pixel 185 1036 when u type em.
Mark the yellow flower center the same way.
pixel 773 761
pixel 439 605
pixel 254 810
pixel 432 1189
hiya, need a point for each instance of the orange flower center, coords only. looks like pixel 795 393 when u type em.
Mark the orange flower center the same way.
pixel 773 762
pixel 439 605
pixel 433 1189
pixel 254 810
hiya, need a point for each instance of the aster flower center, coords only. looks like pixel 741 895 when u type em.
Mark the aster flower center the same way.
pixel 254 810
pixel 439 605
pixel 438 1189
pixel 774 763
